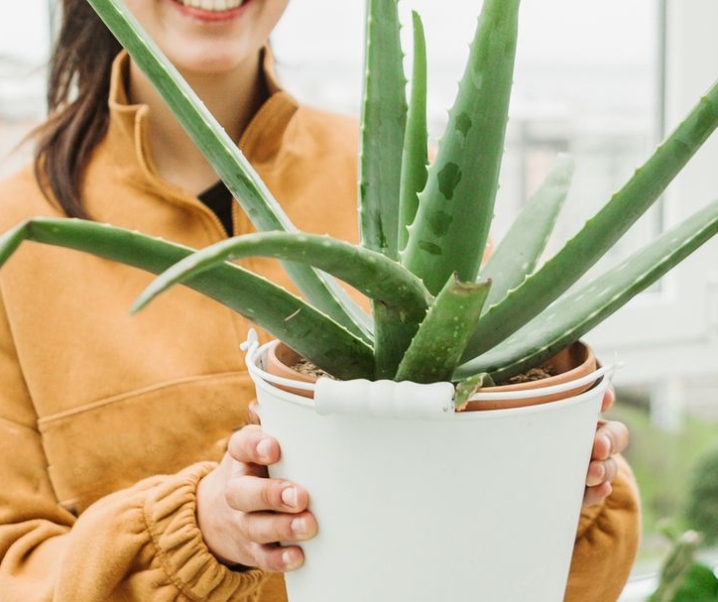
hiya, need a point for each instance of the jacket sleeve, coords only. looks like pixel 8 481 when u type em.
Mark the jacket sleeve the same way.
pixel 606 543
pixel 136 544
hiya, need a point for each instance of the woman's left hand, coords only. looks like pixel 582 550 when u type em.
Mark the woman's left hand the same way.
pixel 611 438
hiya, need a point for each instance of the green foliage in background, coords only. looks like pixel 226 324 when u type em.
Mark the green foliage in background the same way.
pixel 683 577
pixel 702 504
pixel 663 462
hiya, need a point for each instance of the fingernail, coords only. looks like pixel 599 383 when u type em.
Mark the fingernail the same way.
pixel 263 449
pixel 291 560
pixel 609 444
pixel 289 496
pixel 299 526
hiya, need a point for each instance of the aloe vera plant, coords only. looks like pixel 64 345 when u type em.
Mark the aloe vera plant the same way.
pixel 438 313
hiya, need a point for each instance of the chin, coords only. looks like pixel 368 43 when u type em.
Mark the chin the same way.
pixel 216 63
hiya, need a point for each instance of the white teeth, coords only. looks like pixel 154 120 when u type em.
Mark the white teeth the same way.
pixel 213 5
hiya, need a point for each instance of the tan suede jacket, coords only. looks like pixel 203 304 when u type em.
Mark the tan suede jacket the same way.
pixel 108 421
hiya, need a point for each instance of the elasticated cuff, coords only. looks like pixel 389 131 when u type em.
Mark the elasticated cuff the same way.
pixel 170 513
pixel 606 544
pixel 623 498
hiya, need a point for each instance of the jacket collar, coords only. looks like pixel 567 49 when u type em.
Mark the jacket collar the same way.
pixel 128 132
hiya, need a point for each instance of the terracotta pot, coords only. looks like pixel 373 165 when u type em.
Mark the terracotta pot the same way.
pixel 572 363
pixel 279 362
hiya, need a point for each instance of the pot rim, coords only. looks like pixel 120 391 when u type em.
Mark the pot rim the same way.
pixel 255 352
pixel 339 411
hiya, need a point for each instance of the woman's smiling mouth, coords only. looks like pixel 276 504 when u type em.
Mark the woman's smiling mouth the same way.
pixel 214 6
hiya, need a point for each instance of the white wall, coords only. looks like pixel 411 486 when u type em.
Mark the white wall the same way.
pixel 24 30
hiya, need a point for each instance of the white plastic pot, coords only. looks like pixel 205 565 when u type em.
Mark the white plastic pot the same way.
pixel 416 503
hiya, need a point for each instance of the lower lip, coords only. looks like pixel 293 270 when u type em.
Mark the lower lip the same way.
pixel 206 15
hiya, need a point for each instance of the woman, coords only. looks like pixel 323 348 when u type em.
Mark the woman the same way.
pixel 124 475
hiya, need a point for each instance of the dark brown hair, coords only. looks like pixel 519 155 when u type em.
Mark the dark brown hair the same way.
pixel 78 87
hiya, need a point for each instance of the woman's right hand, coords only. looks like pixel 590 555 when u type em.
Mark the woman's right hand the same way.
pixel 243 514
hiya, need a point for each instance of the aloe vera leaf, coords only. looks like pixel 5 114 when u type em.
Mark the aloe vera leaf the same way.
pixel 383 125
pixel 577 313
pixel 467 387
pixel 285 316
pixel 371 273
pixel 600 232
pixel 383 129
pixel 435 350
pixel 455 210
pixel 399 296
pixel 416 153
pixel 519 251
pixel 229 162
